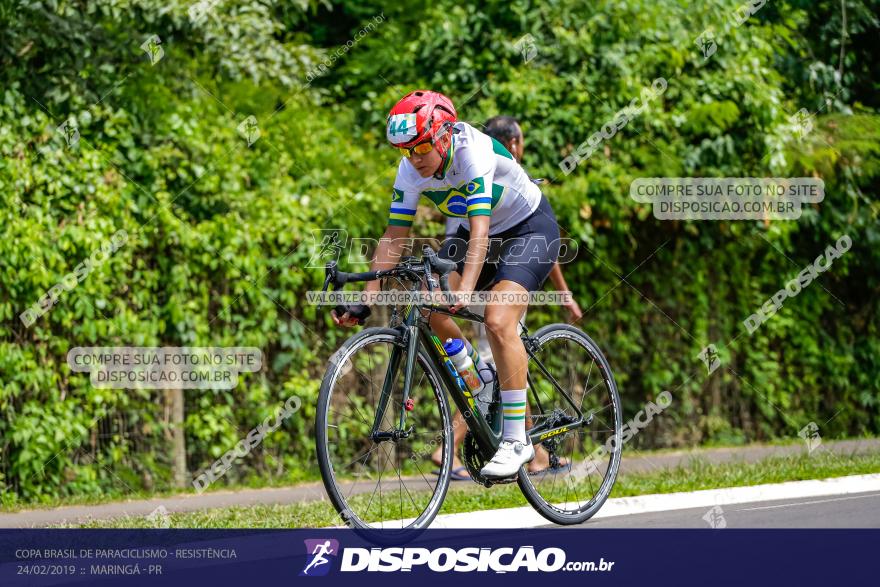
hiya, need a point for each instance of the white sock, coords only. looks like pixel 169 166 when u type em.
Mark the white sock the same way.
pixel 513 404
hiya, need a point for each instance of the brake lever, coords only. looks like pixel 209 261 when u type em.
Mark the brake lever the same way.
pixel 429 255
pixel 330 275
pixel 444 283
pixel 429 277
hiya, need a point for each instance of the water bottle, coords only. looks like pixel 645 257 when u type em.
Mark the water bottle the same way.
pixel 457 352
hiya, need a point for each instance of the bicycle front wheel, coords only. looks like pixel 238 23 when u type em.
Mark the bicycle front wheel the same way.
pixel 582 426
pixel 375 452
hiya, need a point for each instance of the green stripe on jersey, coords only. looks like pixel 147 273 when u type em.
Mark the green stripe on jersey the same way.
pixel 500 149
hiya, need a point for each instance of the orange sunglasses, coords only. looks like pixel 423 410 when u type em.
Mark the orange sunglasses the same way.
pixel 420 149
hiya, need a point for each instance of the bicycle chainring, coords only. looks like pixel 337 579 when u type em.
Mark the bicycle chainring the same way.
pixel 474 463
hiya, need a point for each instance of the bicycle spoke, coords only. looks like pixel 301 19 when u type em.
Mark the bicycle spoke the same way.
pixel 586 383
pixel 400 482
pixel 354 405
pixel 361 417
pixel 428 483
pixel 405 488
pixel 367 454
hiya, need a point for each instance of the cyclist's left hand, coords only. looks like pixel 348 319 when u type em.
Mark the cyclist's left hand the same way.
pixel 350 315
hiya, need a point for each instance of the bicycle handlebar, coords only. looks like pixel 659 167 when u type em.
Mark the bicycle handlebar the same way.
pixel 410 268
pixel 430 263
pixel 338 278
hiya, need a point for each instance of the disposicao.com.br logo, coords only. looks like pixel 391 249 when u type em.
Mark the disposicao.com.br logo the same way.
pixel 444 559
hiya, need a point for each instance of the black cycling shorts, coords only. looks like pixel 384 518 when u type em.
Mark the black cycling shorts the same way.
pixel 524 254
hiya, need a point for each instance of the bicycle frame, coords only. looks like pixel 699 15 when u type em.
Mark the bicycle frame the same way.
pixel 417 333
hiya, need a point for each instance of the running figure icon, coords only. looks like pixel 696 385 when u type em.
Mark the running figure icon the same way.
pixel 318 556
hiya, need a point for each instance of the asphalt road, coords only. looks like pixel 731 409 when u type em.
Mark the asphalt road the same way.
pixel 633 462
pixel 859 510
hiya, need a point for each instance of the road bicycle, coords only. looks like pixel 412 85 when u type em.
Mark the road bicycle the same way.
pixel 383 411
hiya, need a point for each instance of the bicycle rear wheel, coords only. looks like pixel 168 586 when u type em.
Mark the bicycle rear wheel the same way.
pixel 585 469
pixel 383 482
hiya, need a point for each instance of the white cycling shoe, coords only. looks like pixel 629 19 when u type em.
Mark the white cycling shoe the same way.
pixel 509 457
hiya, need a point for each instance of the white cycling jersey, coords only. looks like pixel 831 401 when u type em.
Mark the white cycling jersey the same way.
pixel 481 178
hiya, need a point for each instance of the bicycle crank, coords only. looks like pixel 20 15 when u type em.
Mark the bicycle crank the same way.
pixel 474 462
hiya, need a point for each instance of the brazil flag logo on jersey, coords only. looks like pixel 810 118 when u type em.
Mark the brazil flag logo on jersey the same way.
pixel 453 202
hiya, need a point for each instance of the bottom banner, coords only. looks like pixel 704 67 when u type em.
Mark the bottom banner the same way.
pixel 570 556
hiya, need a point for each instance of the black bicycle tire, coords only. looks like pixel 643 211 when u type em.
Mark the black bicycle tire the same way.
pixel 529 491
pixel 323 457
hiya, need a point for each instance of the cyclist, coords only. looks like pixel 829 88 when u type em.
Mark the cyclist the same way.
pixel 507 131
pixel 471 177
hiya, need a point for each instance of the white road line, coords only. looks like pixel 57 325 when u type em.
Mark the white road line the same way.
pixel 790 505
pixel 526 517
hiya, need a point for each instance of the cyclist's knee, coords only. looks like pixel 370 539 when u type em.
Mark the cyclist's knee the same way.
pixel 501 325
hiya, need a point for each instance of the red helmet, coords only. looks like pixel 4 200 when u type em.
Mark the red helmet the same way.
pixel 419 116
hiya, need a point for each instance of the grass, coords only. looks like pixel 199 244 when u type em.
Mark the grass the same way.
pixel 10 503
pixel 465 497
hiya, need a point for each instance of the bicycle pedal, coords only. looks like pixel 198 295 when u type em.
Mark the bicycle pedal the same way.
pixel 502 480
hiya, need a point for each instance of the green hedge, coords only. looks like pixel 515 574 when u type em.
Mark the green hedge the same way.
pixel 219 232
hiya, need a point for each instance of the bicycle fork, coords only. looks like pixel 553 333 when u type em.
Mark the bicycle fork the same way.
pixel 411 342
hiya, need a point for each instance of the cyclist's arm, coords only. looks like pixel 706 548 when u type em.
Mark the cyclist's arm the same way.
pixel 559 283
pixel 557 279
pixel 479 212
pixel 478 246
pixel 388 253
pixel 401 214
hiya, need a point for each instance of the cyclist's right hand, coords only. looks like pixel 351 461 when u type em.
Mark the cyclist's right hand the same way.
pixel 350 315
